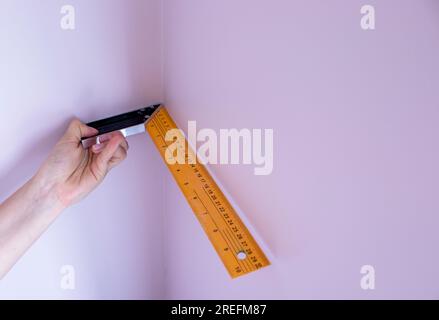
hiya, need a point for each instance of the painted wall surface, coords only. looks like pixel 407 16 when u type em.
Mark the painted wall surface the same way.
pixel 111 63
pixel 355 115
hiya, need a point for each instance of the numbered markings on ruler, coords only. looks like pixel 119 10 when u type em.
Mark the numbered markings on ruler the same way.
pixel 233 242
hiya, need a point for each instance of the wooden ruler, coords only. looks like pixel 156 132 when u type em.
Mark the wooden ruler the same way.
pixel 231 239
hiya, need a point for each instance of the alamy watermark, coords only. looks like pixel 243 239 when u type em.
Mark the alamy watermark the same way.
pixel 68 277
pixel 367 21
pixel 367 281
pixel 68 19
pixel 230 146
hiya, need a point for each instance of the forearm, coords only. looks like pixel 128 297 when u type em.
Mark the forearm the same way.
pixel 23 218
pixel 67 176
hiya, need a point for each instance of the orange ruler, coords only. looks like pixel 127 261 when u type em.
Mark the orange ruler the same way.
pixel 231 239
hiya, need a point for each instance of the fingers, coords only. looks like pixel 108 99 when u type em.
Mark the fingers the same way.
pixel 118 157
pixel 103 139
pixel 111 152
pixel 78 130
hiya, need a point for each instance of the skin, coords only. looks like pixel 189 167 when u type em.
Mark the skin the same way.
pixel 68 175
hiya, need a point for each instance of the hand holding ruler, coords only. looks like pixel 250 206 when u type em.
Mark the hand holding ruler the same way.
pixel 231 239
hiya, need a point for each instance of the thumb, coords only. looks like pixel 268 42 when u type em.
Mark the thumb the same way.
pixel 101 164
pixel 78 130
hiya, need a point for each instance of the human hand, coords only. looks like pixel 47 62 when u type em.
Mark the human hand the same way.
pixel 68 175
pixel 72 172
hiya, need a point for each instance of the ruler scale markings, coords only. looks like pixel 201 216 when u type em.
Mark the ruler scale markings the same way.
pixel 229 243
pixel 226 224
pixel 224 235
pixel 238 250
pixel 219 213
pixel 217 216
pixel 160 135
pixel 206 210
pixel 160 128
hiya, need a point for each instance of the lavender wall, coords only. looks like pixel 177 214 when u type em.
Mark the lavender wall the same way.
pixel 355 115
pixel 111 63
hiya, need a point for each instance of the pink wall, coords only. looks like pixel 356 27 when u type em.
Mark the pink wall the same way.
pixel 111 63
pixel 355 116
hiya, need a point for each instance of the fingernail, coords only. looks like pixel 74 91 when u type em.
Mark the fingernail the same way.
pixel 97 147
pixel 105 137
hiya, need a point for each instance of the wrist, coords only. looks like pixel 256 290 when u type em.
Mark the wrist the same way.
pixel 44 194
